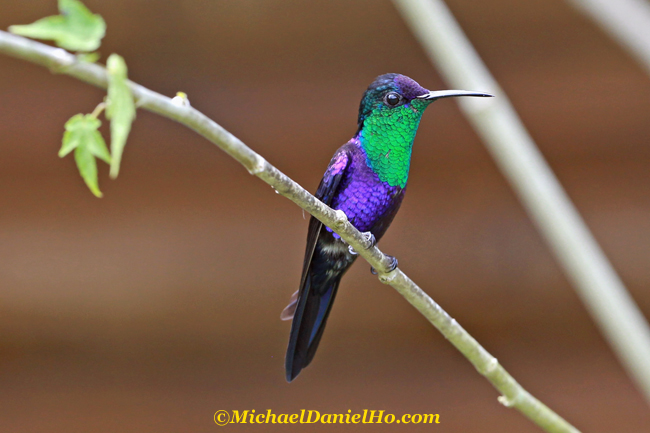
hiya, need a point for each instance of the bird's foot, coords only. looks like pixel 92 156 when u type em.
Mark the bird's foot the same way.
pixel 370 238
pixel 392 266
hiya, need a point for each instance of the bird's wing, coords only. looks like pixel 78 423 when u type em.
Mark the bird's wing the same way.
pixel 310 308
pixel 325 193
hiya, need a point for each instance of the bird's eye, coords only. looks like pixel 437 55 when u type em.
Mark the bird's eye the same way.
pixel 392 99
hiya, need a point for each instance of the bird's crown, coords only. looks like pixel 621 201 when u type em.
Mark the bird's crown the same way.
pixel 388 91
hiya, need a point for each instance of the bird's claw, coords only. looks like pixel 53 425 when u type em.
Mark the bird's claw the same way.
pixel 393 263
pixel 391 267
pixel 370 238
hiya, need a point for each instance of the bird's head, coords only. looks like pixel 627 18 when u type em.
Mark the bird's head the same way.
pixel 389 116
pixel 390 94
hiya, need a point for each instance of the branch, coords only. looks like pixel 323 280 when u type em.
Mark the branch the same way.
pixel 514 150
pixel 627 21
pixel 513 395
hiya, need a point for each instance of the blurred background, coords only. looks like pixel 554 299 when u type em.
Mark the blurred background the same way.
pixel 154 307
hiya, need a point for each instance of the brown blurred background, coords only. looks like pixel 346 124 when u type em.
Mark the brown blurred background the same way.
pixel 156 306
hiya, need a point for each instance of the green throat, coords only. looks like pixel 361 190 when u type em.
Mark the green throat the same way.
pixel 387 137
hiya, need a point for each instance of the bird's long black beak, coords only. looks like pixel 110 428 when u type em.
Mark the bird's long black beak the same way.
pixel 438 94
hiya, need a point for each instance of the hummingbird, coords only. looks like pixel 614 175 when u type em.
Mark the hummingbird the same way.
pixel 366 179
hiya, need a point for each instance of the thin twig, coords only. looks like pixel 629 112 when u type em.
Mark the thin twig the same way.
pixel 514 395
pixel 594 278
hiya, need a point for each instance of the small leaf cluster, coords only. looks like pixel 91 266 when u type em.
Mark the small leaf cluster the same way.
pixel 78 29
pixel 82 136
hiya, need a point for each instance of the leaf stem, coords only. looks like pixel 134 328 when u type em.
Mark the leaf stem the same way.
pixel 98 110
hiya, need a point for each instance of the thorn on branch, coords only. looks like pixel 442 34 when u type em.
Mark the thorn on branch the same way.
pixel 257 167
pixel 181 100
pixel 388 278
pixel 61 60
pixel 490 367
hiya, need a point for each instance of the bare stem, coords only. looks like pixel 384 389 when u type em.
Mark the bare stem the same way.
pixel 513 394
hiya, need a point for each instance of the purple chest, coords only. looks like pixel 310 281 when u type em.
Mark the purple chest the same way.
pixel 369 203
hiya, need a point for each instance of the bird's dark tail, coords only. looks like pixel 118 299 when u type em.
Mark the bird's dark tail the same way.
pixel 313 308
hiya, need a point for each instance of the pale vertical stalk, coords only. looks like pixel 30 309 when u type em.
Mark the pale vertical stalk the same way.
pixel 627 21
pixel 516 154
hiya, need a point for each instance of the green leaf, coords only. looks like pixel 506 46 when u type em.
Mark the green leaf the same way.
pixel 76 29
pixel 82 136
pixel 120 109
pixel 87 168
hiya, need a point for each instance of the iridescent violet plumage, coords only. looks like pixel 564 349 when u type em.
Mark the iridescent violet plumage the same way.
pixel 369 203
pixel 366 179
